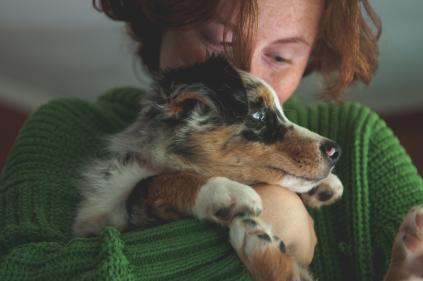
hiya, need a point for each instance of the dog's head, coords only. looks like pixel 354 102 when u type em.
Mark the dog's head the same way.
pixel 220 121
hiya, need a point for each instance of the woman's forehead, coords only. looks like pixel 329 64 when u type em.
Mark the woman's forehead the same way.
pixel 280 19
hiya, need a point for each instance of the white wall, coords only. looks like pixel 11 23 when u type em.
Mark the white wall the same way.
pixel 398 83
pixel 52 48
pixel 60 48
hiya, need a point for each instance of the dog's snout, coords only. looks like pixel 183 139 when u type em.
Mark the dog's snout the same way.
pixel 330 151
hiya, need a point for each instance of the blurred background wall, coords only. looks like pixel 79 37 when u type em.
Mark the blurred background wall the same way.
pixel 55 48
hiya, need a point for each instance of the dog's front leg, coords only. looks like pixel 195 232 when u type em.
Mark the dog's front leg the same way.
pixel 171 196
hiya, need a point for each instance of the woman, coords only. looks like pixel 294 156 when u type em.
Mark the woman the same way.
pixel 279 41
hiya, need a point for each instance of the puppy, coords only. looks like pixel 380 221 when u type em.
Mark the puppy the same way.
pixel 210 131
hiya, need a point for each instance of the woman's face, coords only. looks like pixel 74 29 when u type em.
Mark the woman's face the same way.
pixel 286 33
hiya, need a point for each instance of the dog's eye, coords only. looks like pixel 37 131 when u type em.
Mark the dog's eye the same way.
pixel 259 115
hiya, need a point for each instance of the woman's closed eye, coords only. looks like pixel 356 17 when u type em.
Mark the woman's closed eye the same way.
pixel 277 59
pixel 214 34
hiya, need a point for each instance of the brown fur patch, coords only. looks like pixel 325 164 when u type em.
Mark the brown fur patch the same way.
pixel 303 155
pixel 281 268
pixel 223 153
pixel 173 195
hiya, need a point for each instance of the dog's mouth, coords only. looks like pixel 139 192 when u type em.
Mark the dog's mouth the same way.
pixel 300 177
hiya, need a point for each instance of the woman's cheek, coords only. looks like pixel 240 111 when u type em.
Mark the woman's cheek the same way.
pixel 286 83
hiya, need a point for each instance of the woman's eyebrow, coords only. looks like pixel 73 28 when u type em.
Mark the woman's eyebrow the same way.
pixel 288 40
pixel 295 39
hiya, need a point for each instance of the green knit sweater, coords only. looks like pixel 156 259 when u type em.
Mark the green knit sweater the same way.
pixel 38 199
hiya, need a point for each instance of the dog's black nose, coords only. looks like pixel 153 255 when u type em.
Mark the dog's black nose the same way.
pixel 330 151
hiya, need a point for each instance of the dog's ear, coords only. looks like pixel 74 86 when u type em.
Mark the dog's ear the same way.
pixel 185 101
pixel 217 83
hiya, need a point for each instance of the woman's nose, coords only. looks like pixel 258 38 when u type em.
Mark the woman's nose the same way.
pixel 255 67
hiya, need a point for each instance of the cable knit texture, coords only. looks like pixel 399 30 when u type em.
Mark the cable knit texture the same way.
pixel 38 200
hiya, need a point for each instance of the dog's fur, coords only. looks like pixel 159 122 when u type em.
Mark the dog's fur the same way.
pixel 207 132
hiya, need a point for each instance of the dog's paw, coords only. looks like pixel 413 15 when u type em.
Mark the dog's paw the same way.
pixel 221 199
pixel 407 252
pixel 326 193
pixel 265 255
pixel 249 235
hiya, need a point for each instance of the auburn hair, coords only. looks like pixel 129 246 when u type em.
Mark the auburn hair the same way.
pixel 345 50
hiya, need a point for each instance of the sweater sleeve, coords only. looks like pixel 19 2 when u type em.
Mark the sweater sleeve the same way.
pixel 385 185
pixel 394 188
pixel 38 198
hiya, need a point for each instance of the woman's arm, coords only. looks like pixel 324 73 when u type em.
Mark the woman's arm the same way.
pixel 285 212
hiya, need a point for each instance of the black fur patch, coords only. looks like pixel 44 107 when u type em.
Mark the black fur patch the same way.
pixel 325 195
pixel 282 247
pixel 139 192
